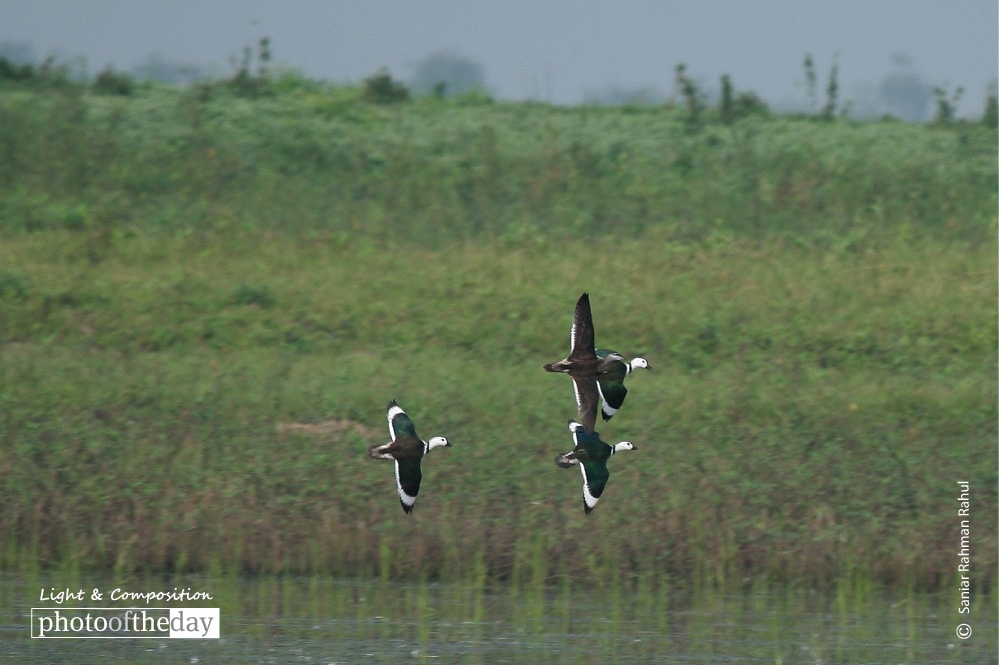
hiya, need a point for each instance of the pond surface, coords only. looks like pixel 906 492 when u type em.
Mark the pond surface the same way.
pixel 324 621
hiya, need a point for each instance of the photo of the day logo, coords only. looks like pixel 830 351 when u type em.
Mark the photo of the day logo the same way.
pixel 119 623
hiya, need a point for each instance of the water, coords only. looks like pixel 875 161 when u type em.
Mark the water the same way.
pixel 324 621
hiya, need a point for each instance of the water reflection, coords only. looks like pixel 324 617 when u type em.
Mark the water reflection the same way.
pixel 314 620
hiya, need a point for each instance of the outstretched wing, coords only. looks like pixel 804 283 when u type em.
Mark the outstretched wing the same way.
pixel 587 394
pixel 612 394
pixel 407 478
pixel 595 475
pixel 581 338
pixel 399 423
pixel 591 454
pixel 611 382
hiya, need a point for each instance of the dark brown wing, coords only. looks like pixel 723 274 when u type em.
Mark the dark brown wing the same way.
pixel 587 401
pixel 583 346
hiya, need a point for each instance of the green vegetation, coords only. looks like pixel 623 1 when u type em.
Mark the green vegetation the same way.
pixel 207 296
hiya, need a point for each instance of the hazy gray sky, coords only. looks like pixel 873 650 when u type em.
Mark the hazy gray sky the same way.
pixel 551 50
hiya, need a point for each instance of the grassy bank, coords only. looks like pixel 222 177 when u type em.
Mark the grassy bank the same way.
pixel 196 358
pixel 808 416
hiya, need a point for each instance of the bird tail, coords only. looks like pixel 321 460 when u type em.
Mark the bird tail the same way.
pixel 566 460
pixel 560 366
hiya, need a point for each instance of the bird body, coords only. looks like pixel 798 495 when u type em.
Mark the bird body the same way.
pixel 407 450
pixel 597 375
pixel 610 382
pixel 590 453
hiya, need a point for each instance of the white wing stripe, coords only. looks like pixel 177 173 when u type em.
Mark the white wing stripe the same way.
pixel 392 413
pixel 590 500
pixel 405 498
pixel 608 409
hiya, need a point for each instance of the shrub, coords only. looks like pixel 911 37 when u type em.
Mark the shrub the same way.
pixel 382 89
pixel 109 82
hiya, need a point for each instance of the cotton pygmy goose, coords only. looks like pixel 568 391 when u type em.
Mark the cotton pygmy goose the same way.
pixel 591 454
pixel 407 450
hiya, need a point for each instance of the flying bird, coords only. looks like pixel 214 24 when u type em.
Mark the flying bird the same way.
pixel 406 449
pixel 591 454
pixel 597 375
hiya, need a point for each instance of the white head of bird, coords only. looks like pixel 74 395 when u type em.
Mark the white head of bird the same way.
pixel 436 442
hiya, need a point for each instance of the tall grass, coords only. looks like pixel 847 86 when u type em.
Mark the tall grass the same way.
pixel 804 420
pixel 205 304
pixel 321 160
